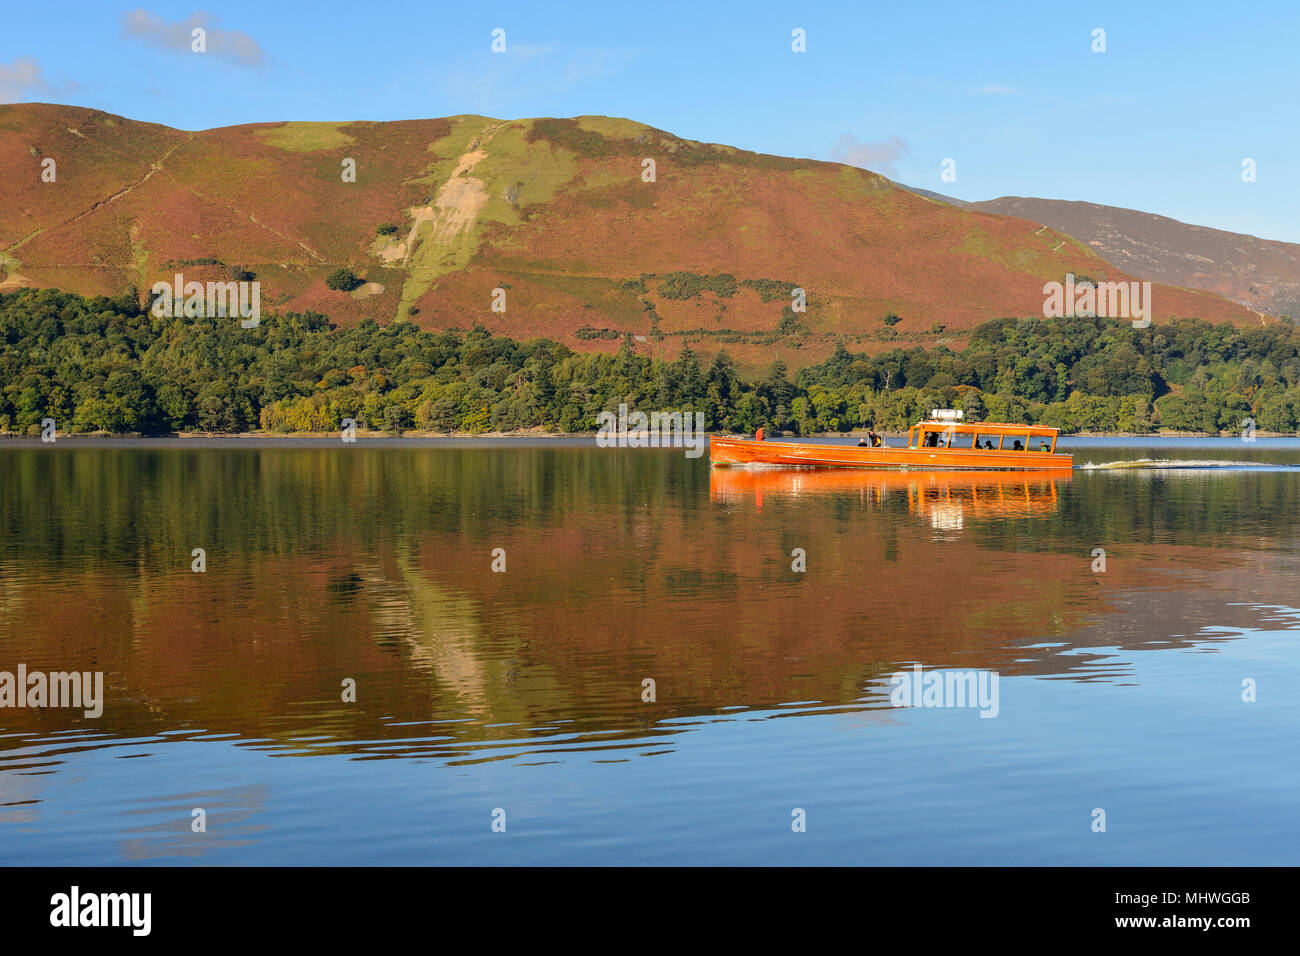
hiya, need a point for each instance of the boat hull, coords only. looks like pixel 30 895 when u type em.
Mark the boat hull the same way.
pixel 747 451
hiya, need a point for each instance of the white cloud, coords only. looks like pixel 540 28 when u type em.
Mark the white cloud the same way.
pixel 21 76
pixel 234 45
pixel 879 157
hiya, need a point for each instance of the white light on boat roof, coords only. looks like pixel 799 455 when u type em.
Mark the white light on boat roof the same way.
pixel 945 414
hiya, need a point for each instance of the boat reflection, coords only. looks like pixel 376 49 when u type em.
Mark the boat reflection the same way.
pixel 944 497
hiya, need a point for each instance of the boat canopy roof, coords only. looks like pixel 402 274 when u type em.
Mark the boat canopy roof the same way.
pixel 988 428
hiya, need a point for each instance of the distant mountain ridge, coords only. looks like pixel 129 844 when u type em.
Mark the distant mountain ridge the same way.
pixel 1262 274
pixel 587 230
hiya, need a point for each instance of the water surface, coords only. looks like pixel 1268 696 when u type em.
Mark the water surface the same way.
pixel 523 690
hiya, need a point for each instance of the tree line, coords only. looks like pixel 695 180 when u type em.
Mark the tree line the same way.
pixel 105 364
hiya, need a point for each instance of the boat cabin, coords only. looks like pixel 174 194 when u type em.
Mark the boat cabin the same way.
pixel 982 436
pixel 942 441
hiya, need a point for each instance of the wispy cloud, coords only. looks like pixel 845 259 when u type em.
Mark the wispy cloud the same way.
pixel 880 157
pixel 995 89
pixel 24 77
pixel 233 45
pixel 20 76
pixel 528 70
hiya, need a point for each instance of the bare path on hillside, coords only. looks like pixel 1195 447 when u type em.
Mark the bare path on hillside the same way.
pixel 156 167
pixel 153 168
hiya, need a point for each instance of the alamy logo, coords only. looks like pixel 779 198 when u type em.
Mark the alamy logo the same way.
pixel 210 300
pixel 659 430
pixel 946 688
pixel 1108 300
pixel 56 689
pixel 103 909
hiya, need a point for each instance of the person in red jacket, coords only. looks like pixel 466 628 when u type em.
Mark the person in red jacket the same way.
pixel 758 435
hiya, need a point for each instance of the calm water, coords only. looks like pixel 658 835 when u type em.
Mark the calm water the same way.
pixel 523 690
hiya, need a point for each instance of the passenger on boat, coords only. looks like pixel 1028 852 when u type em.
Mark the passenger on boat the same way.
pixel 758 435
pixel 873 438
pixel 1042 446
pixel 989 445
pixel 1017 446
pixel 932 440
pixel 862 443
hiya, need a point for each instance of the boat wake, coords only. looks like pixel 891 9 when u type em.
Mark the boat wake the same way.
pixel 1186 464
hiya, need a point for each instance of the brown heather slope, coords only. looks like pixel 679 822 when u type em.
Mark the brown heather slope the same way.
pixel 1259 273
pixel 554 212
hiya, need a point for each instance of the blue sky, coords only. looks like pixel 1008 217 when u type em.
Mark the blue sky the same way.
pixel 1013 92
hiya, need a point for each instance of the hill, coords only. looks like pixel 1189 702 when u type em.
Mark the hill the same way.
pixel 557 213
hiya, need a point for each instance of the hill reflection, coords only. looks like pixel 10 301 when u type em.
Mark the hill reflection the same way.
pixel 376 566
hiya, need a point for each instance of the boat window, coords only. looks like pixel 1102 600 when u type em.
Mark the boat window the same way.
pixel 982 441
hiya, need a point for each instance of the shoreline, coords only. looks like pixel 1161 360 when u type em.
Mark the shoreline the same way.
pixel 180 438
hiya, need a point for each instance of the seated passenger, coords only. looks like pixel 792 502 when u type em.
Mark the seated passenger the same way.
pixel 1042 446
pixel 1017 446
pixel 932 440
pixel 862 443
pixel 989 445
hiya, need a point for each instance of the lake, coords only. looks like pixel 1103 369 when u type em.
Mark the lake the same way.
pixel 543 652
